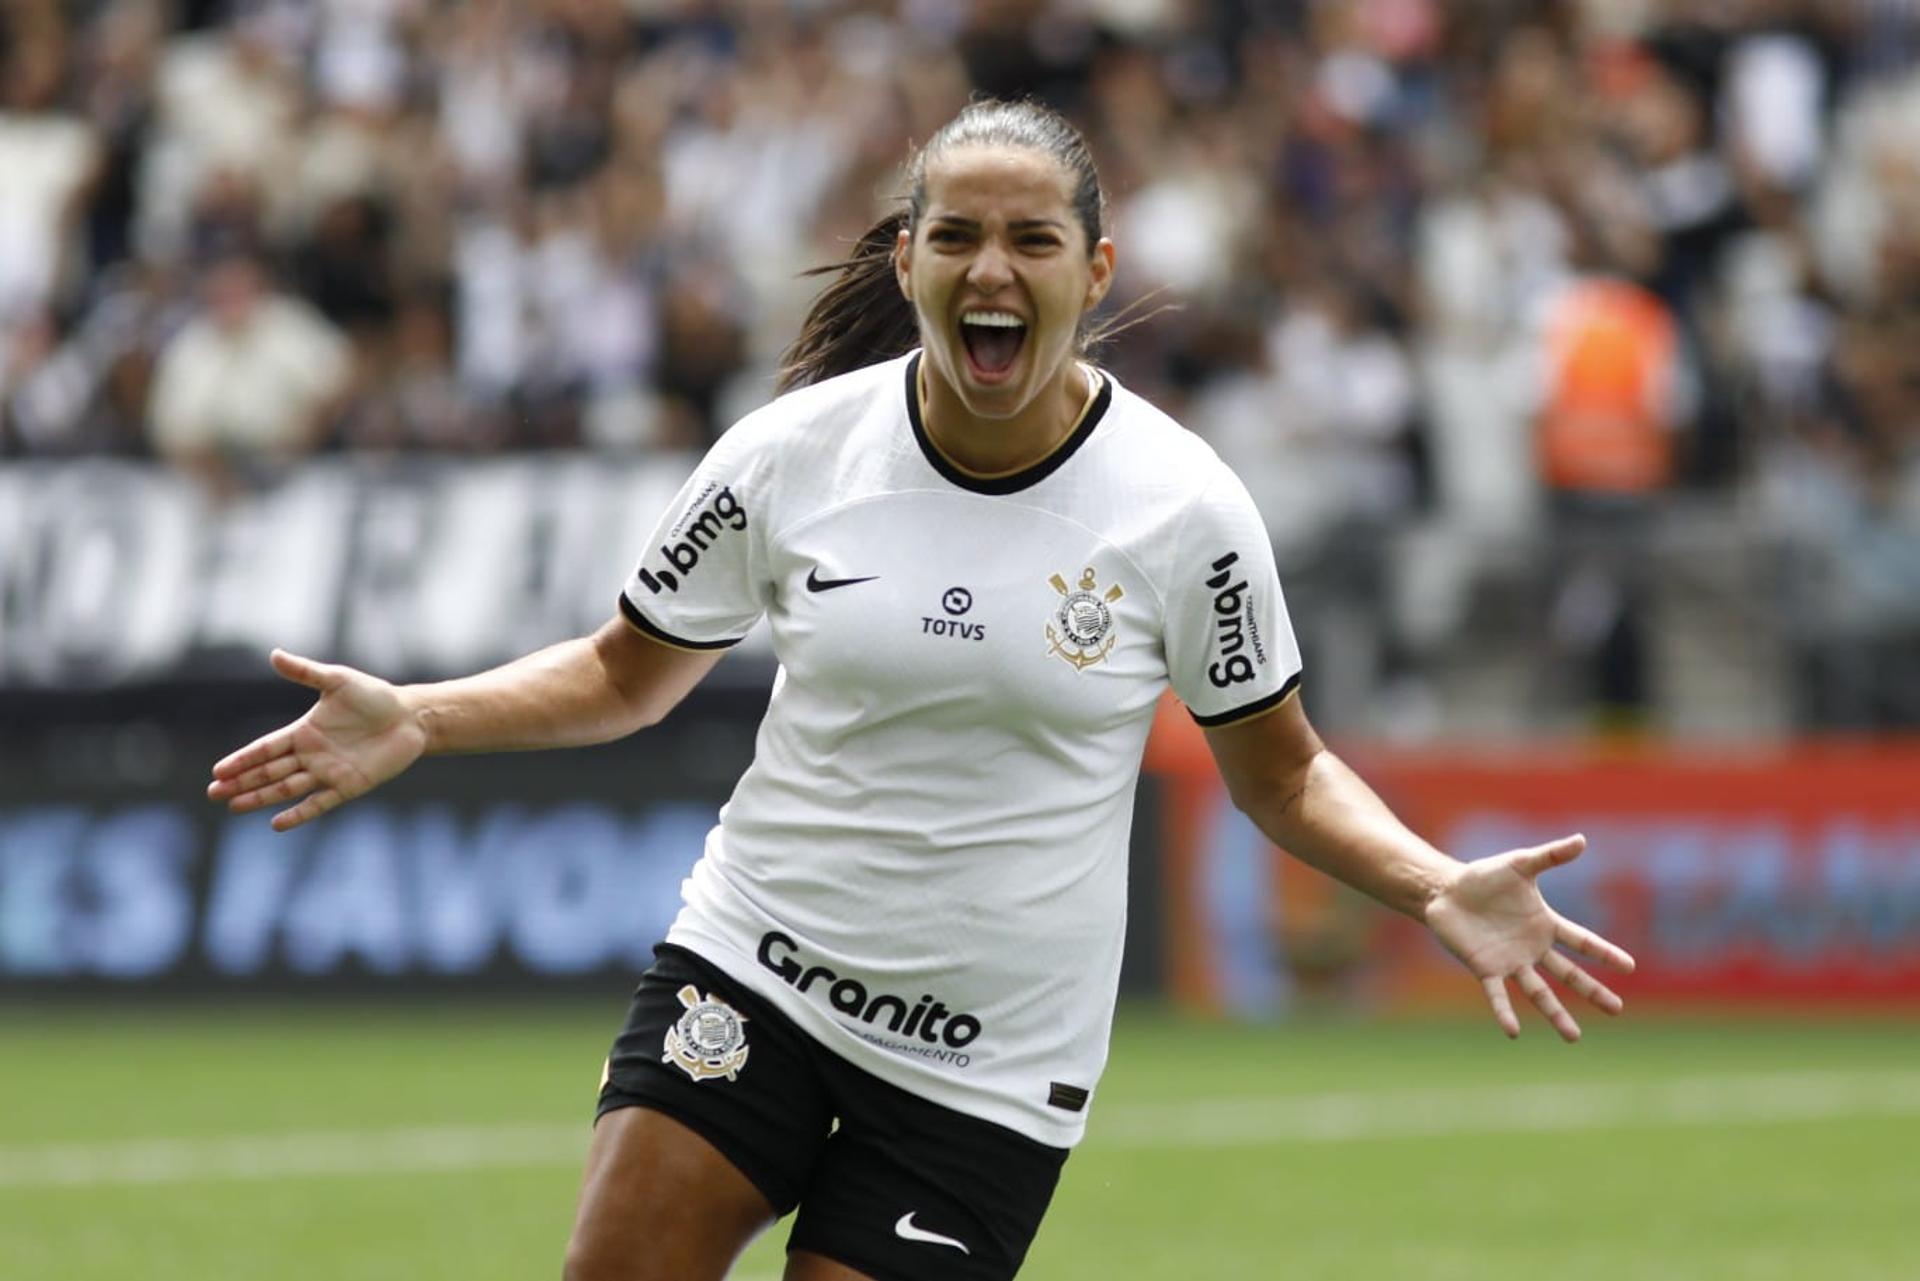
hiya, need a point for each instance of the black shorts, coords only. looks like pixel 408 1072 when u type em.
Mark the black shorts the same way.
pixel 886 1182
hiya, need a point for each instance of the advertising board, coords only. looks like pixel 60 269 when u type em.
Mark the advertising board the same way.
pixel 484 874
pixel 1786 874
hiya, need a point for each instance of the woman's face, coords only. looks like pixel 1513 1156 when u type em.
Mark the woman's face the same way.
pixel 999 273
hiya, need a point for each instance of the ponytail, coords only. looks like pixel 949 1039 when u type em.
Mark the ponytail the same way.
pixel 860 319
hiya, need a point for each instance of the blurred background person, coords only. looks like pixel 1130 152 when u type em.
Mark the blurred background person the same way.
pixel 250 384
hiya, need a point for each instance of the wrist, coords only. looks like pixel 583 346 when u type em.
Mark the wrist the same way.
pixel 1434 885
pixel 422 716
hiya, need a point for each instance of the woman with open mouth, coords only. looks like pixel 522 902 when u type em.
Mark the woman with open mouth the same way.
pixel 886 1000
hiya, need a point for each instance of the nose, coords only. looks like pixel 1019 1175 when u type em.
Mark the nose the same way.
pixel 991 268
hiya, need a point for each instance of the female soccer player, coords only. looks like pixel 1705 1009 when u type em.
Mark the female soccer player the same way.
pixel 886 999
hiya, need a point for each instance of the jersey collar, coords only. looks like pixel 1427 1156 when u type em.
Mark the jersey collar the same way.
pixel 1009 482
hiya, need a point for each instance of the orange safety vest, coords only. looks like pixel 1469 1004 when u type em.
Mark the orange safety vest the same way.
pixel 1611 348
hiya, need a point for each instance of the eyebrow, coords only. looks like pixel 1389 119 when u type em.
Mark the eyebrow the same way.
pixel 1018 224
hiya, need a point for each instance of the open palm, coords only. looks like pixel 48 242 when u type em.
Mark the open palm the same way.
pixel 1494 920
pixel 358 735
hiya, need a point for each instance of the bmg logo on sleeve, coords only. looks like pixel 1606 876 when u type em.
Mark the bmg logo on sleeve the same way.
pixel 1234 626
pixel 701 532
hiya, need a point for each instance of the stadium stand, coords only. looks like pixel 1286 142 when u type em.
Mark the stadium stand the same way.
pixel 456 229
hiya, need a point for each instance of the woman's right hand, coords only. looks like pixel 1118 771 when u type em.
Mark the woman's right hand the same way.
pixel 358 735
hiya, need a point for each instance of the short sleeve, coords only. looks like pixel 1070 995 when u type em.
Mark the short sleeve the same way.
pixel 702 582
pixel 1230 647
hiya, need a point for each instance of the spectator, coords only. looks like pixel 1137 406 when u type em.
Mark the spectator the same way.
pixel 48 157
pixel 228 104
pixel 249 383
pixel 90 395
pixel 27 346
pixel 1359 210
pixel 1613 403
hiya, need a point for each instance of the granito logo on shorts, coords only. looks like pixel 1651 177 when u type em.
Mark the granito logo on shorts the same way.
pixel 1234 626
pixel 702 531
pixel 850 997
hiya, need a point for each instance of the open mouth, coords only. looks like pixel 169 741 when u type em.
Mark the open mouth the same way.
pixel 993 340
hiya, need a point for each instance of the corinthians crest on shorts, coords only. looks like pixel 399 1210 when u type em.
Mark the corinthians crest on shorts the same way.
pixel 710 1039
pixel 1081 630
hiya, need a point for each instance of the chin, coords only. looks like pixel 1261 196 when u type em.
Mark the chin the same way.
pixel 1001 402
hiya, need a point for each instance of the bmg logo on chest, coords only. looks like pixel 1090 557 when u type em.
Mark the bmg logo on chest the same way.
pixel 956 601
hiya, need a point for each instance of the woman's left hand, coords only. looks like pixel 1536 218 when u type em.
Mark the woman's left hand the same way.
pixel 1491 917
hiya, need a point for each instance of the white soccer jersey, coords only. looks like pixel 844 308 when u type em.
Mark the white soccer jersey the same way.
pixel 925 866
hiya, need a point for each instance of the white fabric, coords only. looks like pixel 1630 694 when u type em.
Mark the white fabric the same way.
pixel 254 389
pixel 1772 104
pixel 940 800
pixel 44 160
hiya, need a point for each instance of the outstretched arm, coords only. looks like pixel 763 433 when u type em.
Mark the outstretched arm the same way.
pixel 362 731
pixel 1488 913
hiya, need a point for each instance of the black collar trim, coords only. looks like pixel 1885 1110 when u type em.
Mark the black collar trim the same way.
pixel 1012 482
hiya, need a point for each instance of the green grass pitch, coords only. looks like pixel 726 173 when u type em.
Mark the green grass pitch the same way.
pixel 361 1143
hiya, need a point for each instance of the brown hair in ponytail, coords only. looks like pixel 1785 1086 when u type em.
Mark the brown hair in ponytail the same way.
pixel 862 318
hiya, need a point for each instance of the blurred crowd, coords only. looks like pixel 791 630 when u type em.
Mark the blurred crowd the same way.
pixel 1486 283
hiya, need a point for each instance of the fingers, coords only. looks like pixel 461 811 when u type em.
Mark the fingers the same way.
pixel 1545 999
pixel 272 772
pixel 278 781
pixel 254 754
pixel 311 808
pixel 1496 990
pixel 1578 938
pixel 1583 984
pixel 288 789
pixel 304 671
pixel 1553 854
pixel 1547 1003
pixel 320 676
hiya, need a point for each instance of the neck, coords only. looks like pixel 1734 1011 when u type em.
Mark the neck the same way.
pixel 996 446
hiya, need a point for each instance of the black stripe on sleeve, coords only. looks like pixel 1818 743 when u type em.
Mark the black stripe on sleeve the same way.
pixel 647 627
pixel 1254 708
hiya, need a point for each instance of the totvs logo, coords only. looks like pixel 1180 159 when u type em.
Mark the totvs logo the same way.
pixel 702 532
pixel 1233 626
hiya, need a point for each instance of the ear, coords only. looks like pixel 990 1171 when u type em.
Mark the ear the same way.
pixel 903 262
pixel 1101 273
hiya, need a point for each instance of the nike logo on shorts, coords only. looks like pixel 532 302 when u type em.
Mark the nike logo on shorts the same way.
pixel 907 1232
pixel 815 583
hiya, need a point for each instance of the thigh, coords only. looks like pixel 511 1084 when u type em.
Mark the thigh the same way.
pixel 658 1202
pixel 907 1190
pixel 725 1064
pixel 712 1116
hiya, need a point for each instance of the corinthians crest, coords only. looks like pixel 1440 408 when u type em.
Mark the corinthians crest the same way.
pixel 710 1039
pixel 1081 631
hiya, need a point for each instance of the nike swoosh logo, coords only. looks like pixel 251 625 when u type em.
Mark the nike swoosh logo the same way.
pixel 907 1232
pixel 815 583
